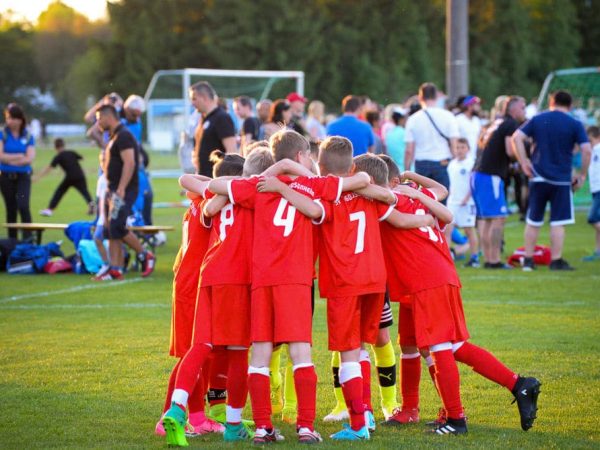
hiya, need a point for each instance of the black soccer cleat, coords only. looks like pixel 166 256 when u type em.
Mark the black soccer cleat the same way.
pixel 452 426
pixel 526 393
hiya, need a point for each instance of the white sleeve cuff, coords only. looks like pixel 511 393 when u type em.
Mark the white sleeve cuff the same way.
pixel 387 213
pixel 320 221
pixel 340 186
pixel 230 193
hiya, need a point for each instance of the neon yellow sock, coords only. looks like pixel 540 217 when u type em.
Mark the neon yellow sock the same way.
pixel 274 368
pixel 337 388
pixel 385 360
pixel 290 400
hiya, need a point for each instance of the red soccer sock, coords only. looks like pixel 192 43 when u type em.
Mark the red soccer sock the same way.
pixel 410 369
pixel 365 369
pixel 191 366
pixel 196 401
pixel 237 378
pixel 260 396
pixel 486 364
pixel 305 382
pixel 353 394
pixel 171 386
pixel 448 382
pixel 217 392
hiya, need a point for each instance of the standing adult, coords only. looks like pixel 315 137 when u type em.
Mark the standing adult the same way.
pixel 488 180
pixel 250 129
pixel 297 105
pixel 394 138
pixel 121 169
pixel 352 128
pixel 17 152
pixel 431 135
pixel 279 118
pixel 555 134
pixel 315 120
pixel 469 124
pixel 215 131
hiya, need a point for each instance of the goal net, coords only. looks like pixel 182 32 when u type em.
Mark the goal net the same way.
pixel 169 108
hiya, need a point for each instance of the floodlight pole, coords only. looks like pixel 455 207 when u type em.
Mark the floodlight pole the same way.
pixel 457 48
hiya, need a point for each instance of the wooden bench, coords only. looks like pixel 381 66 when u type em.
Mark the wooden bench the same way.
pixel 39 228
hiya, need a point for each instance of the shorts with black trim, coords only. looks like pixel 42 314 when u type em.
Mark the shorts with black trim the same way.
pixel 560 197
pixel 488 193
pixel 387 316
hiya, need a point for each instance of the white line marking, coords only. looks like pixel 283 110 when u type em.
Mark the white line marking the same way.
pixel 83 287
pixel 90 306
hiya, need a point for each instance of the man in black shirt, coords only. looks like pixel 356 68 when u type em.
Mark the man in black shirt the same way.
pixel 215 131
pixel 120 167
pixel 249 131
pixel 489 175
pixel 68 160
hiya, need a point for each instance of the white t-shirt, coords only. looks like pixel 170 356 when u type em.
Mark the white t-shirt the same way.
pixel 594 170
pixel 469 129
pixel 429 145
pixel 459 173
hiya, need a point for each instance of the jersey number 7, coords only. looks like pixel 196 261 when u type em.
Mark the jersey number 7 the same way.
pixel 359 217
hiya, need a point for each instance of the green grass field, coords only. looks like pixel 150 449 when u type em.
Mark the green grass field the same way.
pixel 85 365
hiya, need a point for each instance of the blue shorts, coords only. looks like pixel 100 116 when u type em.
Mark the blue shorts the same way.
pixel 594 215
pixel 560 198
pixel 488 193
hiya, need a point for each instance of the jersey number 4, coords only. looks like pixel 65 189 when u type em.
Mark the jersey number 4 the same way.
pixel 284 217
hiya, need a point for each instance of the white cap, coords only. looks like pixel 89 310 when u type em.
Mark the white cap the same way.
pixel 135 102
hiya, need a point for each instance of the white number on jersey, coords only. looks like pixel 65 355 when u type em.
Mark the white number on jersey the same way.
pixel 360 236
pixel 226 220
pixel 285 218
pixel 432 234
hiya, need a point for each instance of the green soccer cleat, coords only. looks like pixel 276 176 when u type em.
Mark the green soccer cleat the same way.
pixel 218 414
pixel 174 422
pixel 237 432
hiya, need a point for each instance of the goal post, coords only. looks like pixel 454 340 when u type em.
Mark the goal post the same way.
pixel 582 82
pixel 169 107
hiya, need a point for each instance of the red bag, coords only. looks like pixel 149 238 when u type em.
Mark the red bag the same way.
pixel 541 256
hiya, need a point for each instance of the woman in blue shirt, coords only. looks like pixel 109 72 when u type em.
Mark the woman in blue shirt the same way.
pixel 16 155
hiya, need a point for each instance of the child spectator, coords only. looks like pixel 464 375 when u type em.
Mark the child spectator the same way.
pixel 460 200
pixel 594 172
pixel 68 160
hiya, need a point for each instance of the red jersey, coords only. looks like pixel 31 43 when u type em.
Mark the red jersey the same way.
pixel 351 256
pixel 283 237
pixel 417 258
pixel 229 256
pixel 194 243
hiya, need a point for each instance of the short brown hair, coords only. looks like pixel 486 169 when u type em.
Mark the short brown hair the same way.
pixel 428 91
pixel 258 161
pixel 463 140
pixel 593 132
pixel 374 166
pixel 393 169
pixel 350 103
pixel 287 144
pixel 335 155
pixel 254 145
pixel 226 164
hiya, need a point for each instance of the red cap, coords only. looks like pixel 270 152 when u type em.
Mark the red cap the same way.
pixel 295 97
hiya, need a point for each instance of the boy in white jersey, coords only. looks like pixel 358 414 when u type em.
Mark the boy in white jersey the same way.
pixel 460 200
pixel 594 173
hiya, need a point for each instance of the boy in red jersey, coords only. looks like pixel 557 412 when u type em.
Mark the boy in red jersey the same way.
pixel 431 313
pixel 282 278
pixel 194 243
pixel 351 276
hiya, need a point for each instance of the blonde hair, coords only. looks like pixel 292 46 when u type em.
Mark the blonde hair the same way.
pixel 258 161
pixel 316 109
pixel 335 155
pixel 287 144
pixel 374 166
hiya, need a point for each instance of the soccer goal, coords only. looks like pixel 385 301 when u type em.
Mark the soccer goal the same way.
pixel 584 85
pixel 169 107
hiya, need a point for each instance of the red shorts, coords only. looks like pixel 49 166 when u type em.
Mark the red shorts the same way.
pixel 432 316
pixel 352 320
pixel 182 326
pixel 223 315
pixel 282 314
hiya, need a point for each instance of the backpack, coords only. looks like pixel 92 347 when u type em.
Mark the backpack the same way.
pixel 31 258
pixel 542 256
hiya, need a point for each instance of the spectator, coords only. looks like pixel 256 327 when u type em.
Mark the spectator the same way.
pixel 469 125
pixel 214 132
pixel 554 133
pixel 394 139
pixel 531 109
pixel 250 129
pixel 94 132
pixel 297 104
pixel 279 117
pixel 263 110
pixel 489 177
pixel 68 160
pixel 374 119
pixel 431 135
pixel 594 215
pixel 315 120
pixel 186 143
pixel 351 127
pixel 17 151
pixel 499 108
pixel 120 167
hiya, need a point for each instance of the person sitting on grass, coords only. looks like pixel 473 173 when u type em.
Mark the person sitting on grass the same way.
pixel 68 160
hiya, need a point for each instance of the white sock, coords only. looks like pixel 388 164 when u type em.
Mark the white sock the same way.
pixel 180 397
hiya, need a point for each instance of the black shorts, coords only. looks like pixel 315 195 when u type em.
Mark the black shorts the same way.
pixel 117 213
pixel 387 317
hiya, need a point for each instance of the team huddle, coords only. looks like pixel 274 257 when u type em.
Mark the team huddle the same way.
pixel 244 278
